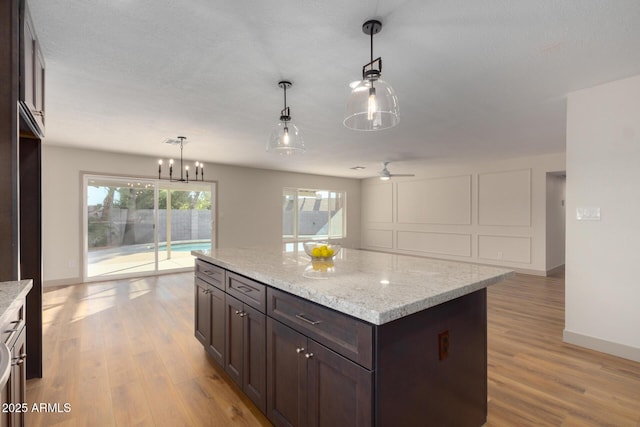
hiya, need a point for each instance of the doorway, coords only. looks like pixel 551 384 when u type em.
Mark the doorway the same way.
pixel 556 221
pixel 138 227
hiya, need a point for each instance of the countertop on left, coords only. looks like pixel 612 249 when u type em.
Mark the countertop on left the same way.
pixel 12 294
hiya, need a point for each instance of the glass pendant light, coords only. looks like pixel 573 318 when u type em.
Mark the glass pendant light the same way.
pixel 373 104
pixel 285 137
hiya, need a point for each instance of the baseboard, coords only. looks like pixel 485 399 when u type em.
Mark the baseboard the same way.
pixel 555 270
pixel 604 346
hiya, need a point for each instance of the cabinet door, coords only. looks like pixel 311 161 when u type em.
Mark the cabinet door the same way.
pixel 254 372
pixel 286 375
pixel 18 378
pixel 234 339
pixel 28 72
pixel 339 391
pixel 216 340
pixel 202 311
pixel 38 85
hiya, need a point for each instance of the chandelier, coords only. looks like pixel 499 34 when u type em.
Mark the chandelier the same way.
pixel 184 170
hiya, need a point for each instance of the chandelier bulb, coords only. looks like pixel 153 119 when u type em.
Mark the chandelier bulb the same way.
pixel 371 105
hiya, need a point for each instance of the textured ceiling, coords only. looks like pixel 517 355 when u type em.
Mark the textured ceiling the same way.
pixel 474 79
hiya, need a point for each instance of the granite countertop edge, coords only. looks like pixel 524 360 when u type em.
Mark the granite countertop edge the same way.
pixel 12 294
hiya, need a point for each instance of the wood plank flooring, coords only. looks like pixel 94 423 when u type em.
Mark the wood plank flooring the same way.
pixel 122 353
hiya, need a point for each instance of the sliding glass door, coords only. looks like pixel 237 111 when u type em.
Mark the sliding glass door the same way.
pixel 184 224
pixel 139 227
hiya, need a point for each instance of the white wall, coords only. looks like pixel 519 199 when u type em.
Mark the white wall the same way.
pixel 556 218
pixel 603 171
pixel 483 212
pixel 249 203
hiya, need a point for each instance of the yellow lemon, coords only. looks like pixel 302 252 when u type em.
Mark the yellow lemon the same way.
pixel 316 252
pixel 323 252
pixel 330 252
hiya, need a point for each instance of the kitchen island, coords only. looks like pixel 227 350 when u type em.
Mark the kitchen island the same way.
pixel 368 339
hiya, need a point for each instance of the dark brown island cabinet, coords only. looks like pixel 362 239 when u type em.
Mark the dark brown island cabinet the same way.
pixel 304 364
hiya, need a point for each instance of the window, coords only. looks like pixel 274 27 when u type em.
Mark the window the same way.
pixel 313 214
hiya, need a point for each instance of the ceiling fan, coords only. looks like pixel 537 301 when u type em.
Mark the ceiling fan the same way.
pixel 385 174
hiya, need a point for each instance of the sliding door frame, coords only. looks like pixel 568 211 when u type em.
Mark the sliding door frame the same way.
pixel 85 176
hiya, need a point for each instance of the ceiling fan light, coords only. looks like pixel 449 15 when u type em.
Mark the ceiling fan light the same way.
pixel 359 114
pixel 385 178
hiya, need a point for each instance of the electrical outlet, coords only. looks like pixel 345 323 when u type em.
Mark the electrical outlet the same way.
pixel 443 345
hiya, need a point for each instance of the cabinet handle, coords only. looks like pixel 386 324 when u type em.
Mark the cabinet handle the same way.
pixel 244 288
pixel 242 314
pixel 302 317
pixel 299 350
pixel 237 311
pixel 308 355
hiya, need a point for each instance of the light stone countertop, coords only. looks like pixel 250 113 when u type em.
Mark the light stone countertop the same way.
pixel 11 296
pixel 372 286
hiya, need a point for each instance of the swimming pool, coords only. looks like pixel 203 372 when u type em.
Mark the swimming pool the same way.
pixel 186 247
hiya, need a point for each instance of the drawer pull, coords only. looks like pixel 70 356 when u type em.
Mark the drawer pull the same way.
pixel 308 355
pixel 302 317
pixel 242 314
pixel 19 360
pixel 237 311
pixel 244 288
pixel 299 350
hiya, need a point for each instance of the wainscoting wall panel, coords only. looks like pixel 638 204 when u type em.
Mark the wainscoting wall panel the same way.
pixel 378 239
pixel 504 198
pixel 505 248
pixel 438 243
pixel 485 212
pixel 435 201
pixel 377 202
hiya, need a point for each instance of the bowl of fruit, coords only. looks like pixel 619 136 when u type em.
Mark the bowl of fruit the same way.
pixel 321 251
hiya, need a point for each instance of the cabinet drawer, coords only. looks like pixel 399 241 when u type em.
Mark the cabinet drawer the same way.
pixel 14 324
pixel 210 273
pixel 247 290
pixel 345 335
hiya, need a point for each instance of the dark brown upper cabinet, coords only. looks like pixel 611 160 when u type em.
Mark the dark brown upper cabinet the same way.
pixel 32 78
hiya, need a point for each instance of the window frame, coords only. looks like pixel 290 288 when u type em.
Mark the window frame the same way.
pixel 295 237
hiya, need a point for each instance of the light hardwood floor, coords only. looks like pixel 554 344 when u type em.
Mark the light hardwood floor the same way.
pixel 123 353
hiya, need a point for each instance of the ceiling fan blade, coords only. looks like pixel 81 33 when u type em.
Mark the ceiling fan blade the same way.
pixel 401 174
